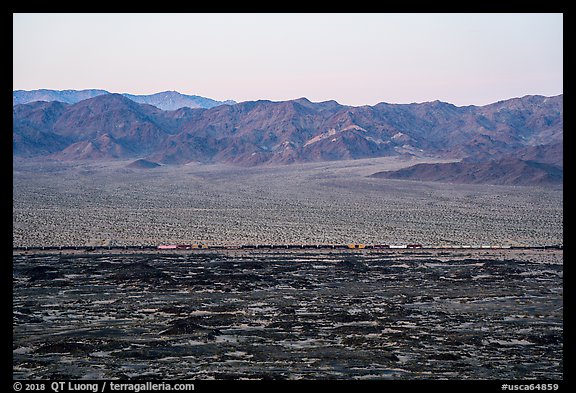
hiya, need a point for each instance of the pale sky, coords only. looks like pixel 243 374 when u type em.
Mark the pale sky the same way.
pixel 355 59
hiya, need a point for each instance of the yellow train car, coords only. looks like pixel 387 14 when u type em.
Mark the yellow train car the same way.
pixel 354 246
pixel 199 246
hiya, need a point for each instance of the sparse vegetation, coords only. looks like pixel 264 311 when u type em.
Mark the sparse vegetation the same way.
pixel 107 203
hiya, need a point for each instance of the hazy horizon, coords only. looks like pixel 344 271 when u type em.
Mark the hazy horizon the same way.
pixel 289 99
pixel 355 59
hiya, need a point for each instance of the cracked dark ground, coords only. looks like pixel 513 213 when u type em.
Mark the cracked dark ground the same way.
pixel 294 315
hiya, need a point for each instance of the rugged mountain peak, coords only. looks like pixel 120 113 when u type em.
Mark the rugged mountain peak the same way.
pixel 302 101
pixel 263 131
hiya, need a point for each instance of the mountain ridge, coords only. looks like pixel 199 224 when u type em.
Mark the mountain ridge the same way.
pixel 285 132
pixel 503 171
pixel 165 100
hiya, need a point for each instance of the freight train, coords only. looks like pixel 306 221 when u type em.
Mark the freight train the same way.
pixel 356 246
pixel 286 246
pixel 182 246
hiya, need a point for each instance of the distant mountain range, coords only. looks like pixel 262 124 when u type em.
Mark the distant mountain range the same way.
pixel 167 100
pixel 113 126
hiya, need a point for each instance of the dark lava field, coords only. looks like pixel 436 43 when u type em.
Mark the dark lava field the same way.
pixel 410 314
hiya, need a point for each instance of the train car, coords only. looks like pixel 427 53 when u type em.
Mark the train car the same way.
pixel 199 246
pixel 380 246
pixel 414 245
pixel 324 246
pixel 356 246
pixel 554 246
pixel 167 247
